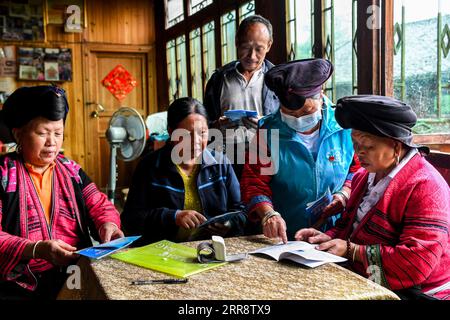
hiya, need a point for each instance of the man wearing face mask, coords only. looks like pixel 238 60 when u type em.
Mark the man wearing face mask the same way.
pixel 313 154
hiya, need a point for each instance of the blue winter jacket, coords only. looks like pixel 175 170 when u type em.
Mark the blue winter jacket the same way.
pixel 300 179
pixel 157 192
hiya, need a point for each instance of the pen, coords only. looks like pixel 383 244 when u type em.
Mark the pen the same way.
pixel 163 281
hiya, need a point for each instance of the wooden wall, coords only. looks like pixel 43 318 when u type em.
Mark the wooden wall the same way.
pixel 109 22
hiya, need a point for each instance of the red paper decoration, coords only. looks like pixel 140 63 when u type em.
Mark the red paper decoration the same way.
pixel 119 82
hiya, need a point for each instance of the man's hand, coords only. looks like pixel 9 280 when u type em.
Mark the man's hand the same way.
pixel 250 122
pixel 109 231
pixel 189 219
pixel 226 123
pixel 275 227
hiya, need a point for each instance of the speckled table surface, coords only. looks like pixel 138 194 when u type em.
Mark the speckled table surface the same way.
pixel 255 278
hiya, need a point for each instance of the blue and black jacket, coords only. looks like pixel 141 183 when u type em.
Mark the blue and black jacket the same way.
pixel 157 192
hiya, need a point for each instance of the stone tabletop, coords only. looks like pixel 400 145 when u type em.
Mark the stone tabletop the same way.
pixel 256 278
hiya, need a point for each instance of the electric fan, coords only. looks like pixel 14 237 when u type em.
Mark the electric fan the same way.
pixel 127 133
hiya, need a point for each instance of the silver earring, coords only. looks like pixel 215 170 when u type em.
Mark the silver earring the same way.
pixel 397 160
pixel 18 148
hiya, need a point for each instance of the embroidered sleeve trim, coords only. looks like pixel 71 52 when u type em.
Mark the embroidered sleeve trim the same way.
pixel 375 265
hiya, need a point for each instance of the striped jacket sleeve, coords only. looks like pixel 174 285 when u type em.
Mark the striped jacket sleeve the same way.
pixel 11 250
pixel 423 240
pixel 255 188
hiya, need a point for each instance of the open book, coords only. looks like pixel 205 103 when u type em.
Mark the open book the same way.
pixel 105 249
pixel 300 252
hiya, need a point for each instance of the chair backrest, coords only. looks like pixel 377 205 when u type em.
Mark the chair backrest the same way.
pixel 441 161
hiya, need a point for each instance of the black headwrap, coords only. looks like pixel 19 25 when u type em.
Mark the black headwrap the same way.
pixel 28 103
pixel 295 81
pixel 379 115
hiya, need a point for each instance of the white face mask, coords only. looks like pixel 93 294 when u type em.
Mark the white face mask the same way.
pixel 303 123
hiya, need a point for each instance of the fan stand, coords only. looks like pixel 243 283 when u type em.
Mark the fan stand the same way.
pixel 116 136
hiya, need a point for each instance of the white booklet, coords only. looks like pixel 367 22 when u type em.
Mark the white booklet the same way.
pixel 300 252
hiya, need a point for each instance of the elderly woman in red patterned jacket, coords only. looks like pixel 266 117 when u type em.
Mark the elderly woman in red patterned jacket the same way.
pixel 396 225
pixel 48 206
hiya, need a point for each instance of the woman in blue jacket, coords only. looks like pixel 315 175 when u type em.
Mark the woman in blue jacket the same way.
pixel 179 187
pixel 310 154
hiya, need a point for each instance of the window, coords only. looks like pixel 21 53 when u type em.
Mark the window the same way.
pixel 181 67
pixel 422 61
pixel 340 29
pixel 209 52
pixel 196 64
pixel 197 5
pixel 172 70
pixel 299 29
pixel 246 10
pixel 174 12
pixel 176 68
pixel 228 28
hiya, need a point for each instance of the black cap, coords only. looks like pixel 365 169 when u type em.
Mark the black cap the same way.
pixel 295 81
pixel 379 115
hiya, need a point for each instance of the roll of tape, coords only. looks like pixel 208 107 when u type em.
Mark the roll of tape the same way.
pixel 206 253
pixel 216 252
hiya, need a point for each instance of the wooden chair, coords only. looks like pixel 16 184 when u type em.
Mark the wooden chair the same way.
pixel 441 161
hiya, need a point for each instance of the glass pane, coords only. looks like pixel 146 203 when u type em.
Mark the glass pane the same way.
pixel 209 53
pixel 197 5
pixel 171 70
pixel 228 27
pixel 181 67
pixel 445 67
pixel 415 61
pixel 196 64
pixel 329 45
pixel 299 29
pixel 343 48
pixel 174 12
pixel 247 9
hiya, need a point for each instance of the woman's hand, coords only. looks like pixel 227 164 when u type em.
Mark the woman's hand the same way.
pixel 275 227
pixel 189 219
pixel 57 252
pixel 109 231
pixel 337 247
pixel 337 205
pixel 311 235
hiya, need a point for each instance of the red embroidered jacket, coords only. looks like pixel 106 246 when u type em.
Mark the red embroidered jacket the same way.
pixel 76 204
pixel 404 240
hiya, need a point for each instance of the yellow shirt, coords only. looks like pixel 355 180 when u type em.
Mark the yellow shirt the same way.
pixel 43 184
pixel 191 198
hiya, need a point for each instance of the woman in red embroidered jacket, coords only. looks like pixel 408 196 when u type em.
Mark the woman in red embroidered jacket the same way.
pixel 396 226
pixel 47 203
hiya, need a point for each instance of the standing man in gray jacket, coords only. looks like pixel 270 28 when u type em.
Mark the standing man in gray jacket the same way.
pixel 239 85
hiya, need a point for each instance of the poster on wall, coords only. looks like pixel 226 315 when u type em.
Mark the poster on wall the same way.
pixel 44 64
pixel 22 20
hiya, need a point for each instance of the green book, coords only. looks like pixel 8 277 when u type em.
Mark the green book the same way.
pixel 167 257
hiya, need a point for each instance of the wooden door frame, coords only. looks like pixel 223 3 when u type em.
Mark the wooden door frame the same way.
pixel 149 70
